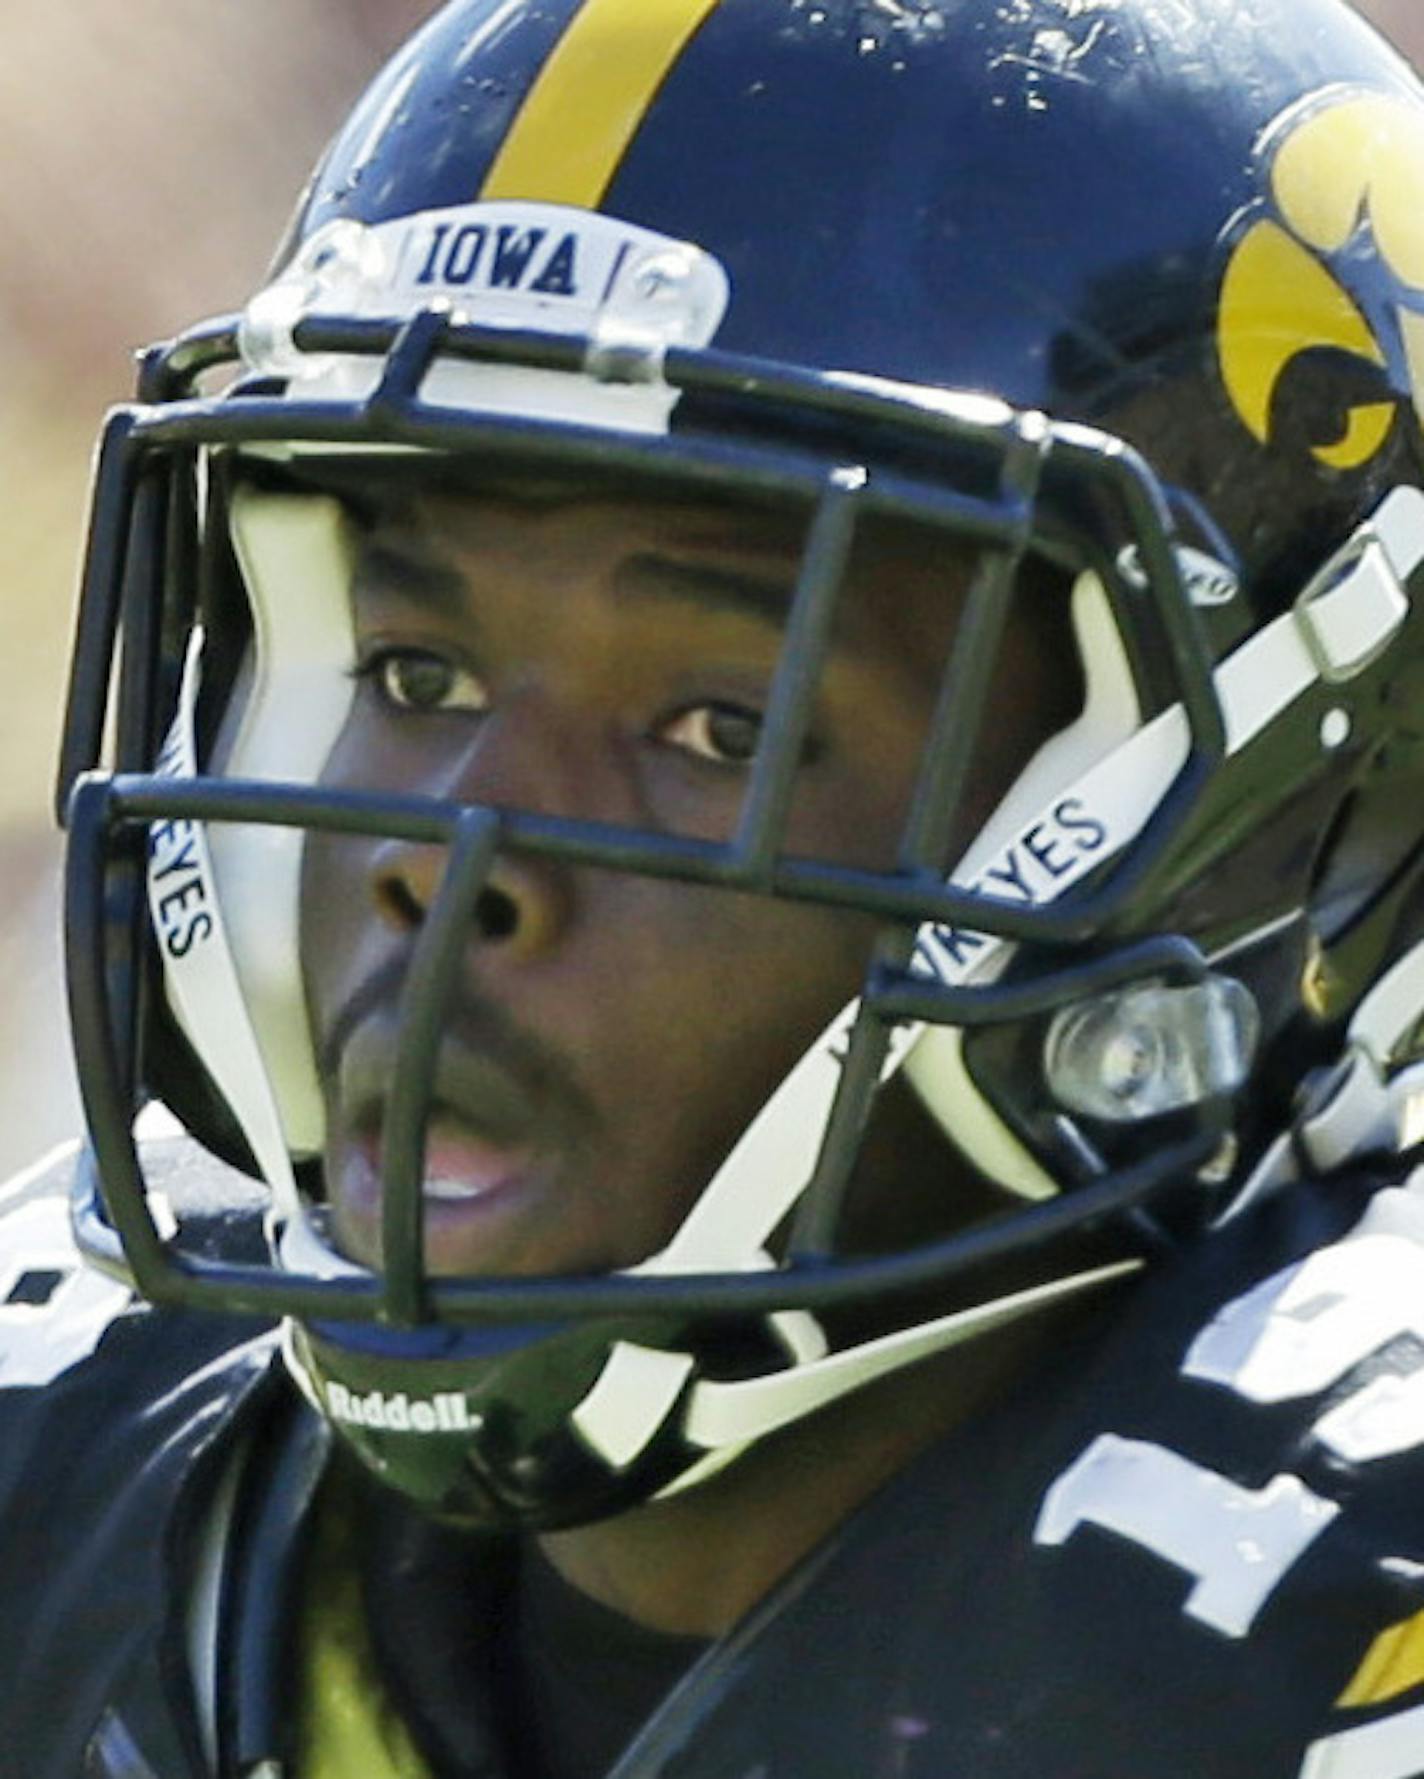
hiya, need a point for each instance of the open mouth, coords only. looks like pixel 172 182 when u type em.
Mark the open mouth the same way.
pixel 478 1197
pixel 463 1168
pixel 502 1123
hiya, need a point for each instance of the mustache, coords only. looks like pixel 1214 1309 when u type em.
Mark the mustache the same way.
pixel 476 1034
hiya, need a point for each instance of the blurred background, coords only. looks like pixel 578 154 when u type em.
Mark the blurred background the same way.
pixel 154 150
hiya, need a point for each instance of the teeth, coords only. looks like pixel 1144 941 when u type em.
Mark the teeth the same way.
pixel 450 1191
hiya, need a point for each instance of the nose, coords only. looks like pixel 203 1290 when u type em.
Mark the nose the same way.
pixel 521 759
pixel 523 906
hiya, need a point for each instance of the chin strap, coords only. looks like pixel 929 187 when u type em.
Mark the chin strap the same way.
pixel 732 1414
pixel 617 1420
pixel 1366 1104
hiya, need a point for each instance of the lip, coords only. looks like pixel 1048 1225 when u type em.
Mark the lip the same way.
pixel 475 1191
pixel 498 1098
pixel 495 1137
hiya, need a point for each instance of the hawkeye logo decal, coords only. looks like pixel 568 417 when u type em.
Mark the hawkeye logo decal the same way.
pixel 1301 356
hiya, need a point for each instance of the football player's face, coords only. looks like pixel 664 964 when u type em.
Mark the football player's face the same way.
pixel 610 1035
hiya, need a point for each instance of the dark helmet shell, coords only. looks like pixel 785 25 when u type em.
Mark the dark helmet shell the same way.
pixel 1036 200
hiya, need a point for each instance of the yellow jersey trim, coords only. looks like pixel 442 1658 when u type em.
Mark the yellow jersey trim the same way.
pixel 348 1724
pixel 1395 1663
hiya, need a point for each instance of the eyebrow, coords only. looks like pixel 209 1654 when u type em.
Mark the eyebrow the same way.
pixel 650 576
pixel 391 567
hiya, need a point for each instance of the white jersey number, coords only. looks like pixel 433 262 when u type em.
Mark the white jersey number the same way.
pixel 53 1307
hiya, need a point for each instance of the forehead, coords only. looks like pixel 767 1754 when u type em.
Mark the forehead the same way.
pixel 528 531
pixel 685 556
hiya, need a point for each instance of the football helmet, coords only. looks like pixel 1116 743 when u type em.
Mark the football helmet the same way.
pixel 1129 294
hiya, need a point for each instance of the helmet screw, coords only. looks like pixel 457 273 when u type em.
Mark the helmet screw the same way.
pixel 1335 727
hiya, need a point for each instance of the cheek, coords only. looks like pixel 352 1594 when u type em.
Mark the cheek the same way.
pixel 341 939
pixel 342 936
pixel 855 815
pixel 720 996
pixel 378 755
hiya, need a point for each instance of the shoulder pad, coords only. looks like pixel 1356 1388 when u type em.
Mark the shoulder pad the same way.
pixel 55 1307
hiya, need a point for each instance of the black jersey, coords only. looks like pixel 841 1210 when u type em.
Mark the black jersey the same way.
pixel 1191 1542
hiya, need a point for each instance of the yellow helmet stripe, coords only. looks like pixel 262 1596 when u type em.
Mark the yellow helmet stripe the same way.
pixel 578 118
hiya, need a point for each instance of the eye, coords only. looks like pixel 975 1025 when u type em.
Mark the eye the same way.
pixel 726 734
pixel 417 680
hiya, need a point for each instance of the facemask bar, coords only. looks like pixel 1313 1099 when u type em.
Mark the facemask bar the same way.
pixel 1022 448
pixel 166 1273
pixel 394 416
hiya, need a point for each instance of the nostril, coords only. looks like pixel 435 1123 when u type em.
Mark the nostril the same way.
pixel 496 911
pixel 496 914
pixel 399 904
